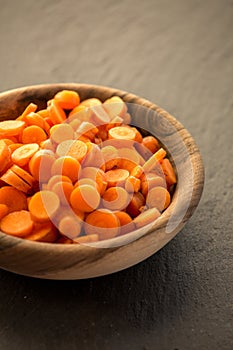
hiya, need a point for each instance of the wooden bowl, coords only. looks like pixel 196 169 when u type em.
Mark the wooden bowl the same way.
pixel 57 261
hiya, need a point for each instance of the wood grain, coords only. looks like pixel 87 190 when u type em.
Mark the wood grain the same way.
pixel 51 261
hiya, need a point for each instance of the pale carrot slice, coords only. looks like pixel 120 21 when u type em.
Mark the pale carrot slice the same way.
pixel 158 197
pixel 35 119
pixel 87 129
pixel 132 184
pixel 87 239
pixel 70 226
pixel 63 148
pixel 23 174
pixel 17 223
pixel 61 132
pixel 115 198
pixel 63 190
pixel 135 204
pixel 110 155
pixel 122 133
pixel 43 233
pixel 57 178
pixel 56 113
pixel 85 198
pixel 151 143
pixel 151 181
pixel 102 222
pixel 100 116
pixel 91 102
pixel 14 199
pixel 75 123
pixel 115 106
pixel 48 144
pixel 87 181
pixel 169 172
pixel 152 162
pixel 40 165
pixel 94 157
pixel 10 178
pixel 78 150
pixel 32 107
pixel 67 166
pixel 11 127
pixel 116 177
pixel 4 155
pixel 23 154
pixel 80 113
pixel 146 217
pixel 116 121
pixel 97 175
pixel 3 210
pixel 33 134
pixel 67 99
pixel 43 206
pixel 126 223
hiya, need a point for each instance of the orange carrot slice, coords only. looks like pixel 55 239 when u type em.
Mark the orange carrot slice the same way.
pixel 43 206
pixel 3 210
pixel 43 233
pixel 97 175
pixel 67 166
pixel 150 181
pixel 100 116
pixel 132 184
pixel 55 179
pixel 85 198
pixel 67 99
pixel 151 143
pixel 23 154
pixel 135 204
pixel 15 181
pixel 61 132
pixel 126 223
pixel 102 222
pixel 35 119
pixel 11 127
pixel 56 113
pixel 14 199
pixel 33 134
pixel 40 165
pixel 78 150
pixel 4 155
pixel 63 190
pixel 116 177
pixel 17 223
pixel 110 155
pixel 23 174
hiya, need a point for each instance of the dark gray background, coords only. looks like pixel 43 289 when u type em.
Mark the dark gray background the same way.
pixel 178 54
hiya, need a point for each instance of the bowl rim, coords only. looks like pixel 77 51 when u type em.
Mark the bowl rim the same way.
pixel 11 241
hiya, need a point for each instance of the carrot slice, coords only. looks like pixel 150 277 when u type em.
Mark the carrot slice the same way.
pixel 146 217
pixel 78 150
pixel 85 198
pixel 35 119
pixel 23 154
pixel 100 116
pixel 132 184
pixel 32 107
pixel 33 134
pixel 40 165
pixel 152 162
pixel 122 133
pixel 115 198
pixel 3 210
pixel 87 181
pixel 63 190
pixel 115 106
pixel 158 197
pixel 116 177
pixel 56 113
pixel 11 127
pixel 67 166
pixel 43 233
pixel 61 132
pixel 150 181
pixel 87 239
pixel 18 223
pixel 67 99
pixel 14 146
pixel 4 155
pixel 80 113
pixel 103 222
pixel 94 157
pixel 126 223
pixel 97 175
pixel 23 174
pixel 91 102
pixel 43 206
pixel 57 178
pixel 151 143
pixel 70 226
pixel 135 204
pixel 110 155
pixel 169 172
pixel 137 171
pixel 14 180
pixel 14 199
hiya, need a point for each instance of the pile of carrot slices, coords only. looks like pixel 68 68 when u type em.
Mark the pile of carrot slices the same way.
pixel 77 172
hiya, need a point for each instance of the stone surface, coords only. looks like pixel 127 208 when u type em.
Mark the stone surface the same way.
pixel 179 55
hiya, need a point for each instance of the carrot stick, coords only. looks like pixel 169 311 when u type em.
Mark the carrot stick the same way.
pixel 32 107
pixel 152 162
pixel 169 172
